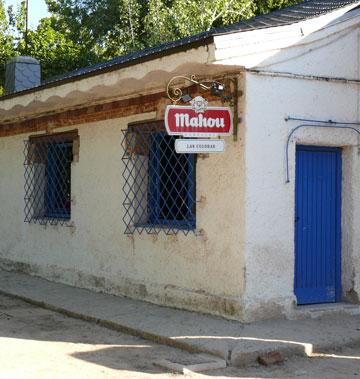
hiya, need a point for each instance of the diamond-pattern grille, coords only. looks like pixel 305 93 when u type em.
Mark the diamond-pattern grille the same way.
pixel 159 184
pixel 48 179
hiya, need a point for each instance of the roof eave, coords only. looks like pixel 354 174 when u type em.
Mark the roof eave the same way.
pixel 190 45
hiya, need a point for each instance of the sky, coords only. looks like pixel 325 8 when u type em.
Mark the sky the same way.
pixel 37 10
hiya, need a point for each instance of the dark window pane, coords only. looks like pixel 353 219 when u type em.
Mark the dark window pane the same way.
pixel 58 197
pixel 171 177
pixel 173 184
pixel 159 184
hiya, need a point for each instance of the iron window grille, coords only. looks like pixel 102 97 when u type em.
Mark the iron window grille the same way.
pixel 47 187
pixel 159 185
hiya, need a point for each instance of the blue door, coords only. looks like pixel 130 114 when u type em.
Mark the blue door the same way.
pixel 318 225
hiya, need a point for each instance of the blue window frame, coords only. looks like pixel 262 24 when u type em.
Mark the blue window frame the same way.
pixel 171 184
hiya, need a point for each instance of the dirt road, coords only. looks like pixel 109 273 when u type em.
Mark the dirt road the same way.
pixel 36 343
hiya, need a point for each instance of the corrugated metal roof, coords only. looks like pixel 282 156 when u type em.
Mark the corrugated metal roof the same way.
pixel 126 59
pixel 299 12
pixel 296 13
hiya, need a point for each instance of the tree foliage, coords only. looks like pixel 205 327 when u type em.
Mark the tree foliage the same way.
pixel 6 42
pixel 82 32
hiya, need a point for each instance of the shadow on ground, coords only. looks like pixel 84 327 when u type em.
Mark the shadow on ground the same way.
pixel 44 341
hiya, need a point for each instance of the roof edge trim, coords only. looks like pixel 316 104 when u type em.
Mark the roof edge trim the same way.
pixel 187 46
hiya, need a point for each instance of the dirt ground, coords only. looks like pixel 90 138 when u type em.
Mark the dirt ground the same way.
pixel 36 343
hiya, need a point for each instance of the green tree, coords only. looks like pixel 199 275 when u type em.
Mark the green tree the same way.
pixel 265 6
pixel 56 53
pixel 83 32
pixel 107 28
pixel 182 18
pixel 6 43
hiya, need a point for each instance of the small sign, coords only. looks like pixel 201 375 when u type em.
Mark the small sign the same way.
pixel 198 120
pixel 198 146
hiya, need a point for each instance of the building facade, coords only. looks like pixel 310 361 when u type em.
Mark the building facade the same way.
pixel 93 194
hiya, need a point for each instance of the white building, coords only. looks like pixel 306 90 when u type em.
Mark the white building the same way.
pixel 254 232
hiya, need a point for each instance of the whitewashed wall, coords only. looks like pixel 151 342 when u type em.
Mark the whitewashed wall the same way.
pixel 270 202
pixel 202 272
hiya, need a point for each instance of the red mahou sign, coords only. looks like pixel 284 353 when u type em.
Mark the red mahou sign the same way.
pixel 185 121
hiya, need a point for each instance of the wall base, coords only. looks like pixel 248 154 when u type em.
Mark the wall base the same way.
pixel 166 295
pixel 260 309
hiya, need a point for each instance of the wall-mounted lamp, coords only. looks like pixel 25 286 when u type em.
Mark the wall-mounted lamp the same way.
pixel 216 88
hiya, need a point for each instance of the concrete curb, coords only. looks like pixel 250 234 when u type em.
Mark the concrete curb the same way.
pixel 115 326
pixel 243 355
pixel 238 357
pixel 209 364
pixel 237 344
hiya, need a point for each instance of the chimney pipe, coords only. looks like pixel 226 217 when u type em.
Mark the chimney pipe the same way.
pixel 22 73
